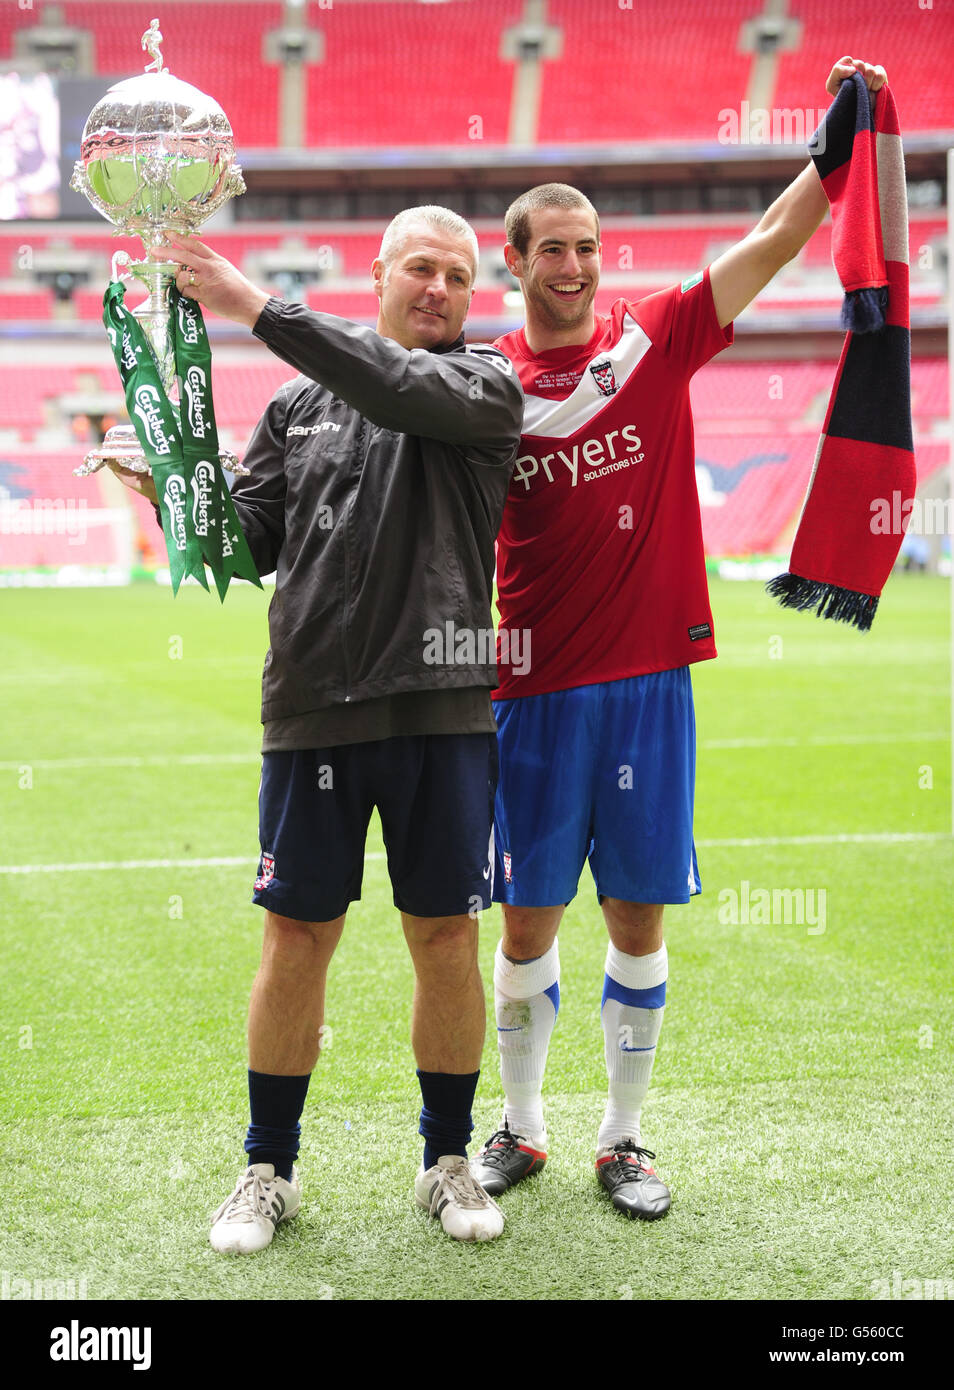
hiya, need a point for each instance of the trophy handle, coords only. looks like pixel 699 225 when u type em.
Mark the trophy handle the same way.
pixel 121 446
pixel 121 258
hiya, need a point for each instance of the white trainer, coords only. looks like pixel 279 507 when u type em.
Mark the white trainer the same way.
pixel 246 1221
pixel 450 1191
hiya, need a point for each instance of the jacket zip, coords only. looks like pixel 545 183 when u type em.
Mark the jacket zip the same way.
pixel 362 439
pixel 345 605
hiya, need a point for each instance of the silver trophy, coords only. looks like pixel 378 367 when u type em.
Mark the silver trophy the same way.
pixel 157 156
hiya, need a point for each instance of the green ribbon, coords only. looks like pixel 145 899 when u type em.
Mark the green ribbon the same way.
pixel 181 443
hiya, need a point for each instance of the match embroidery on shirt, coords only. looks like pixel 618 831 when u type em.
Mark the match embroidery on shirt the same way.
pixel 560 419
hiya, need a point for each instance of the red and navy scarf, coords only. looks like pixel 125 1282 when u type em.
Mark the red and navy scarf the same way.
pixel 841 557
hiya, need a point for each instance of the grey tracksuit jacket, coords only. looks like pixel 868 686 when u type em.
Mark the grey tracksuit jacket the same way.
pixel 376 488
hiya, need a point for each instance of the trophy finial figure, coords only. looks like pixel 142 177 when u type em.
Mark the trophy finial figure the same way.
pixel 151 40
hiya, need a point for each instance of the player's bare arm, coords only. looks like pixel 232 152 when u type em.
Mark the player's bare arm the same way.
pixel 738 275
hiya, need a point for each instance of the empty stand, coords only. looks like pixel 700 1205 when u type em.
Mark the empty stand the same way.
pixel 241 391
pixel 760 483
pixel 646 73
pixel 50 519
pixel 773 390
pixel 929 389
pixel 681 246
pixel 915 44
pixel 399 74
pixel 931 457
pixel 28 306
pixel 24 390
pixel 215 46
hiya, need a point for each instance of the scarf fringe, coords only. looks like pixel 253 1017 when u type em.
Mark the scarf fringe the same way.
pixel 863 311
pixel 828 600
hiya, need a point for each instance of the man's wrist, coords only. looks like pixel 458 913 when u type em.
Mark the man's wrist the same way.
pixel 255 302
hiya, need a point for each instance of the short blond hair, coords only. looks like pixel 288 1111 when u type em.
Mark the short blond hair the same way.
pixel 397 230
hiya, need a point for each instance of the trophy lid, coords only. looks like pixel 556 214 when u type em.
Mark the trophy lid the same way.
pixel 154 102
pixel 157 154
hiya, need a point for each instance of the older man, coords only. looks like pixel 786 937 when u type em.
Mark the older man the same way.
pixel 376 488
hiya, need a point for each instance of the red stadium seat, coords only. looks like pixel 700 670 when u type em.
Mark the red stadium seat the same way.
pixel 914 42
pixel 26 305
pixel 23 389
pixel 765 391
pixel 444 59
pixel 761 481
pixel 635 74
pixel 215 46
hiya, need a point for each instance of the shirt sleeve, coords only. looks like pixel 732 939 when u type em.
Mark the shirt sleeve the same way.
pixel 470 398
pixel 682 323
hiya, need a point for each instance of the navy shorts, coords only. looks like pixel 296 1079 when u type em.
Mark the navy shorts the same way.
pixel 435 796
pixel 600 772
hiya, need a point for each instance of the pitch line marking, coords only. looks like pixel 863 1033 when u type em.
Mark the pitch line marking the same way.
pixel 211 759
pixel 249 862
pixel 822 741
pixel 145 760
pixel 886 838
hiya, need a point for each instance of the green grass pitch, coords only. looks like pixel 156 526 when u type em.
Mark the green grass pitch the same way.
pixel 803 1084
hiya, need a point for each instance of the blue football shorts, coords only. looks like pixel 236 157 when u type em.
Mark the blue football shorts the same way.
pixel 435 796
pixel 600 772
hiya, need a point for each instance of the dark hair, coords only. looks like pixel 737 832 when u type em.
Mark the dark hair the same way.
pixel 545 195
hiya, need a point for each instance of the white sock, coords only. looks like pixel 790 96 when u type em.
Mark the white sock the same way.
pixel 526 999
pixel 634 995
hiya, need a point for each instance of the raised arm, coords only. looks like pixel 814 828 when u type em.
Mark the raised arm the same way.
pixel 466 397
pixel 470 398
pixel 746 268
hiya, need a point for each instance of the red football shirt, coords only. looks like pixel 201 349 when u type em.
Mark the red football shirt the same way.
pixel 600 558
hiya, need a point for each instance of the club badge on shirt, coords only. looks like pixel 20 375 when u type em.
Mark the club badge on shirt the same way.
pixel 605 377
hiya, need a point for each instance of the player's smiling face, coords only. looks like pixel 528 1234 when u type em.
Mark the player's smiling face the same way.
pixel 561 269
pixel 425 291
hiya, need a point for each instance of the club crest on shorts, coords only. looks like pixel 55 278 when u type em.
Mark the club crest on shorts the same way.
pixel 508 874
pixel 267 872
pixel 605 377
